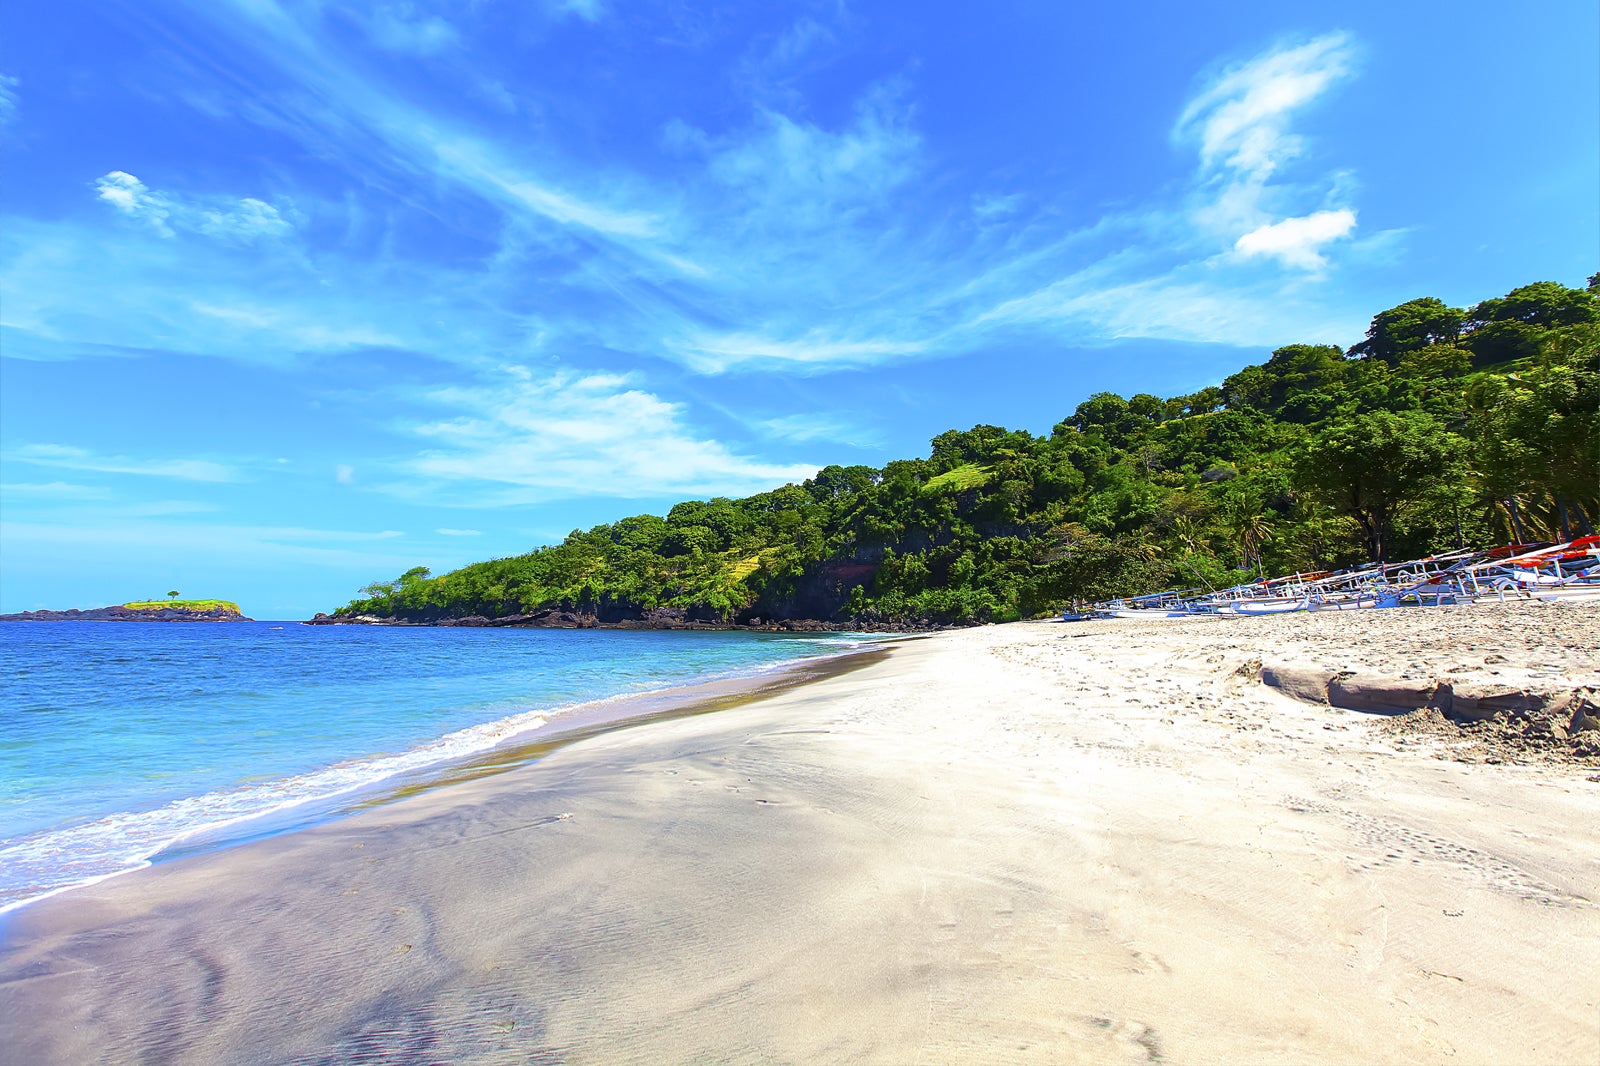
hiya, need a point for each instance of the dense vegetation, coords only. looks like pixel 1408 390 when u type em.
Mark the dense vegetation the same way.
pixel 1444 426
pixel 183 605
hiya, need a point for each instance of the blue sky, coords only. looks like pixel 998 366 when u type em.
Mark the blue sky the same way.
pixel 294 296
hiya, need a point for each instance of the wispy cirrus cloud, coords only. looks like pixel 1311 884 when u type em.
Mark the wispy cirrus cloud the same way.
pixel 75 290
pixel 779 241
pixel 405 28
pixel 819 426
pixel 66 457
pixel 192 539
pixel 343 106
pixel 1201 266
pixel 789 244
pixel 587 10
pixel 1203 269
pixel 53 490
pixel 517 438
pixel 1241 124
pixel 1240 119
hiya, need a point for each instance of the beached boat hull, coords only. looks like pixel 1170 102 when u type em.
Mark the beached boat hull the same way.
pixel 1248 607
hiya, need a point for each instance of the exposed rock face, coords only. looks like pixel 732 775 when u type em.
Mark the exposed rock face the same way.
pixel 129 614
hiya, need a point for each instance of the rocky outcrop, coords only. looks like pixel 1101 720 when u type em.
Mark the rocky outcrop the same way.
pixel 131 614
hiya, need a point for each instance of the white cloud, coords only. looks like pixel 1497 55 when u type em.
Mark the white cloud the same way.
pixel 400 28
pixel 54 490
pixel 193 540
pixel 716 353
pixel 790 243
pixel 801 39
pixel 1202 270
pixel 165 508
pixel 798 223
pixel 588 10
pixel 992 208
pixel 459 532
pixel 299 533
pixel 251 219
pixel 1241 118
pixel 344 474
pixel 771 71
pixel 8 98
pixel 483 167
pixel 1188 305
pixel 242 221
pixel 295 325
pixel 1240 122
pixel 791 172
pixel 573 435
pixel 133 198
pixel 342 103
pixel 803 428
pixel 70 458
pixel 1295 241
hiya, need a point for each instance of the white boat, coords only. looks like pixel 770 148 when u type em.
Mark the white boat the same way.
pixel 1279 605
pixel 1563 573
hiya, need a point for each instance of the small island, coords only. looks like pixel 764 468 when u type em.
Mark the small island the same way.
pixel 170 610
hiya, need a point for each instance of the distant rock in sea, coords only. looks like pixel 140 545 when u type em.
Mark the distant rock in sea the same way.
pixel 153 611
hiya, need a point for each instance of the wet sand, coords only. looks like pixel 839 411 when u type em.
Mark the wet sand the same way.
pixel 1028 843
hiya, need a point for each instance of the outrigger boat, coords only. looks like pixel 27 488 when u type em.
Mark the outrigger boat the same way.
pixel 1568 572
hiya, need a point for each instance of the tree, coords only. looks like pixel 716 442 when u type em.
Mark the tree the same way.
pixel 1374 466
pixel 1298 368
pixel 833 482
pixel 1250 528
pixel 1109 415
pixel 1188 533
pixel 1494 343
pixel 1412 325
pixel 1551 417
pixel 1544 305
pixel 172 595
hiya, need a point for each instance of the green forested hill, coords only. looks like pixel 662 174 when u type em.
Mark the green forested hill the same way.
pixel 1444 426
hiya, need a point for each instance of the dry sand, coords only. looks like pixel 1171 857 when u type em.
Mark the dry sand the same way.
pixel 1028 843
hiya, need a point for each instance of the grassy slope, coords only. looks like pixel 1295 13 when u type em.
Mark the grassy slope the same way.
pixel 185 605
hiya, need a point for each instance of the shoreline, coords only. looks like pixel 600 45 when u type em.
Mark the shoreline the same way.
pixel 1031 843
pixel 658 620
pixel 553 729
pixel 597 718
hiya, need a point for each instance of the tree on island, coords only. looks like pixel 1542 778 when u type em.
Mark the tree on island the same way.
pixel 172 594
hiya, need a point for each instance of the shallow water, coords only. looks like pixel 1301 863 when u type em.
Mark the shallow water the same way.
pixel 120 740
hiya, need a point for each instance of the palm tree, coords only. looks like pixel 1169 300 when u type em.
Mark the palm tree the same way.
pixel 1188 534
pixel 1250 528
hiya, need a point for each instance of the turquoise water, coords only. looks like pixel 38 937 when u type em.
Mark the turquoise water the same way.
pixel 122 740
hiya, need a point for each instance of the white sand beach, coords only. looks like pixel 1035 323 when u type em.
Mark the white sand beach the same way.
pixel 1040 842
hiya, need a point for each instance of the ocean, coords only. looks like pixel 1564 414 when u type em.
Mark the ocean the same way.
pixel 124 742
